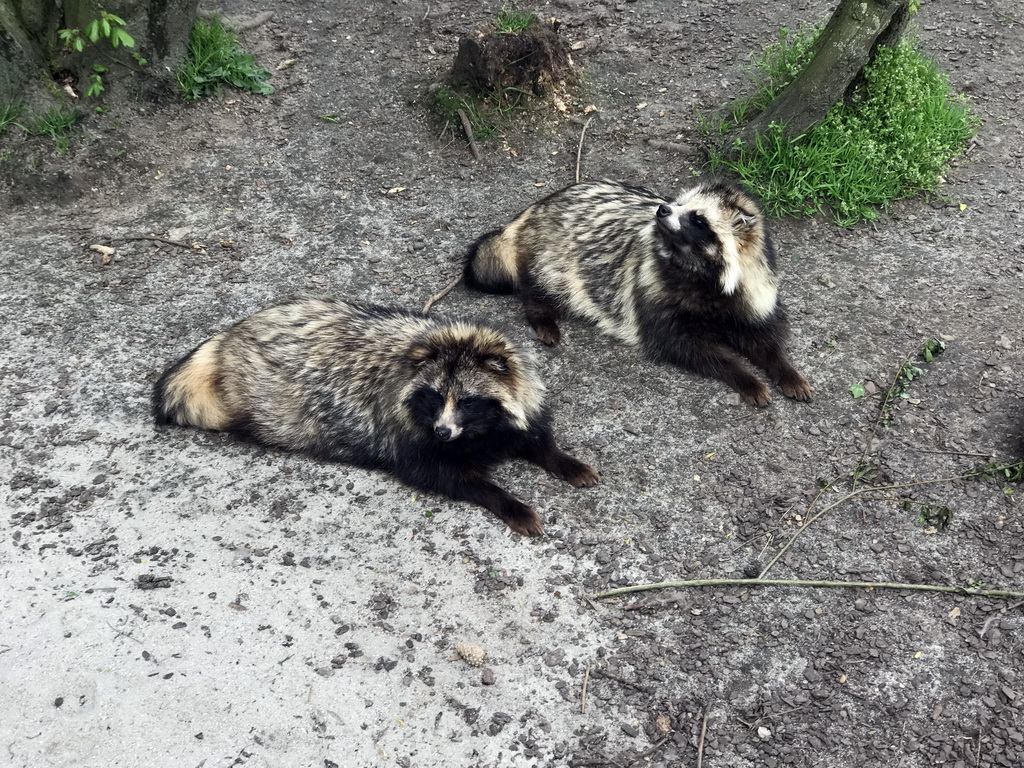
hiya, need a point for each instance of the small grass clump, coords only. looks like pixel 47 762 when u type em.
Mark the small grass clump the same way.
pixel 216 59
pixel 771 71
pixel 486 115
pixel 894 140
pixel 510 22
pixel 9 113
pixel 55 123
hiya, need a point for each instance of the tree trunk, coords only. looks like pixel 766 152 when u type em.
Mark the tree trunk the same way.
pixel 30 49
pixel 842 50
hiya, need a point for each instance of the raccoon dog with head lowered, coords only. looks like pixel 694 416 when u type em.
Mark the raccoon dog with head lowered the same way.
pixel 436 403
pixel 691 280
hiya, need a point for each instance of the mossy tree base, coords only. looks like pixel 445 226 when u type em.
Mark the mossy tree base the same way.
pixel 847 44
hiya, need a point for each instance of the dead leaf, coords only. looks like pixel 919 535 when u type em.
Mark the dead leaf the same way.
pixel 642 105
pixel 237 607
pixel 663 723
pixel 395 190
pixel 106 250
pixel 954 613
pixel 285 64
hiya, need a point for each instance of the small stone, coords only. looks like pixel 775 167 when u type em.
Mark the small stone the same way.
pixel 487 676
pixel 630 730
pixel 763 733
pixel 473 654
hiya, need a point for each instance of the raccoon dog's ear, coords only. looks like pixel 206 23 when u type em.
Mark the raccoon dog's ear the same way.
pixel 496 363
pixel 743 220
pixel 419 354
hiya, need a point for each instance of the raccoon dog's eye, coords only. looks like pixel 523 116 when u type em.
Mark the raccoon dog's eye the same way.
pixel 698 221
pixel 478 407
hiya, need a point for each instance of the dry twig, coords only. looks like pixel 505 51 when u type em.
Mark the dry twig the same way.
pixel 468 128
pixel 579 149
pixel 438 296
pixel 583 696
pixel 636 760
pixel 700 743
pixel 157 239
pixel 808 583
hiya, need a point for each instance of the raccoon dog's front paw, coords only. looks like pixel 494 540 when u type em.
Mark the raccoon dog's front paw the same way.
pixel 579 474
pixel 756 394
pixel 548 333
pixel 522 519
pixel 796 386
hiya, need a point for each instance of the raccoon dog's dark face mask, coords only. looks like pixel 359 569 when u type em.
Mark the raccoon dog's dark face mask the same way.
pixel 453 415
pixel 692 243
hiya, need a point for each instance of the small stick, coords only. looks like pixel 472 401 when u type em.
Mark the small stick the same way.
pixel 425 14
pixel 583 697
pixel 579 149
pixel 469 134
pixel 808 583
pixel 157 239
pixel 124 634
pixel 952 453
pixel 649 752
pixel 700 743
pixel 622 680
pixel 857 494
pixel 438 296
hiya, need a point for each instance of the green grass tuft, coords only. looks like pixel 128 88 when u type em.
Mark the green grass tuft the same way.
pixel 510 22
pixel 216 59
pixel 55 123
pixel 487 115
pixel 771 71
pixel 893 141
pixel 9 113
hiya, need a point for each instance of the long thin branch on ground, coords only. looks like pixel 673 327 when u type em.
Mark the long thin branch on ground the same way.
pixel 700 744
pixel 156 239
pixel 860 492
pixel 468 128
pixel 438 296
pixel 579 149
pixel 807 583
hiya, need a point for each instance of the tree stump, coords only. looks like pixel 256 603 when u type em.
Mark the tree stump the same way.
pixel 530 61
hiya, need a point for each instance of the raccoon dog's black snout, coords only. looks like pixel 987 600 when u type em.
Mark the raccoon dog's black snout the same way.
pixel 443 433
pixel 663 211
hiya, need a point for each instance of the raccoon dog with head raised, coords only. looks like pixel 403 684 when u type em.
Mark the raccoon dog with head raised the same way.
pixel 691 280
pixel 437 403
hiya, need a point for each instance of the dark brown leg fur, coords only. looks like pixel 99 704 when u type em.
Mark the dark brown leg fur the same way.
pixel 544 453
pixel 478 489
pixel 769 355
pixel 711 359
pixel 542 318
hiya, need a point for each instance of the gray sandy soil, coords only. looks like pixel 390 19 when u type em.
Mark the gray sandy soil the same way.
pixel 177 598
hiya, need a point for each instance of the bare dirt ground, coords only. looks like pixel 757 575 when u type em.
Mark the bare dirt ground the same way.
pixel 305 614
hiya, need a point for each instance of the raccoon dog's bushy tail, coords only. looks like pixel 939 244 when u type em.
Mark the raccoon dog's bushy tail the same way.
pixel 189 393
pixel 492 264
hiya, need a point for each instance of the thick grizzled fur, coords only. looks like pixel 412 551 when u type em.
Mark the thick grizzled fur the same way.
pixel 691 280
pixel 437 403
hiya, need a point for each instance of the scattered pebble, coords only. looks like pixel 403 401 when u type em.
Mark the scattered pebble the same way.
pixel 473 654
